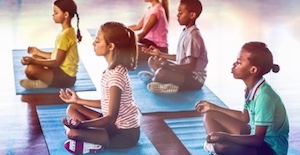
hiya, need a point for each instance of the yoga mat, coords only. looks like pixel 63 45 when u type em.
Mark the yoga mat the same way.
pixel 83 82
pixel 149 102
pixel 191 132
pixel 50 117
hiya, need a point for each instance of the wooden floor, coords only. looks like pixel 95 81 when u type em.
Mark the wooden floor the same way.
pixel 225 26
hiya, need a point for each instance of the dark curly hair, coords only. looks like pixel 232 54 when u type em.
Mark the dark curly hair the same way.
pixel 261 57
pixel 193 6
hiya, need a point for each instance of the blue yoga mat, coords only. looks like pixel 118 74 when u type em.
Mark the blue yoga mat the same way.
pixel 191 132
pixel 50 117
pixel 149 102
pixel 83 82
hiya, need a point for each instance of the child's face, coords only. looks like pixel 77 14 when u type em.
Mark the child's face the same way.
pixel 242 68
pixel 58 15
pixel 101 48
pixel 183 15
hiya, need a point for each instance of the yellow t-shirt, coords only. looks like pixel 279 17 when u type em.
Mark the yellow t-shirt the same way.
pixel 67 41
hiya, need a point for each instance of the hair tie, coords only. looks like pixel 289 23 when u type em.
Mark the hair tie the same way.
pixel 128 32
pixel 275 68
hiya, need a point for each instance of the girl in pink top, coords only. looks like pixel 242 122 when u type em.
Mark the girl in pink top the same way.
pixel 118 124
pixel 154 26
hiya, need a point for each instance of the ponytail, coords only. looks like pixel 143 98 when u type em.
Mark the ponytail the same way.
pixel 79 37
pixel 133 49
pixel 165 5
pixel 275 68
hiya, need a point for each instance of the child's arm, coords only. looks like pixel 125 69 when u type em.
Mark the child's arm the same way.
pixel 37 53
pixel 114 106
pixel 156 52
pixel 249 140
pixel 60 57
pixel 70 96
pixel 204 106
pixel 171 57
pixel 148 26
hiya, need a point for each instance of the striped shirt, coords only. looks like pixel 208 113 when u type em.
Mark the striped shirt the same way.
pixel 128 116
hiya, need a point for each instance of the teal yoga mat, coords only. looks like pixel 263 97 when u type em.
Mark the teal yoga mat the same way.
pixel 83 82
pixel 191 132
pixel 50 117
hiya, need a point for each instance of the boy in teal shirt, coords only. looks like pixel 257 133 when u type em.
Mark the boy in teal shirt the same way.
pixel 268 129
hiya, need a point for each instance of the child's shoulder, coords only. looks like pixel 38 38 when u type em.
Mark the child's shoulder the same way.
pixel 193 30
pixel 266 89
pixel 120 69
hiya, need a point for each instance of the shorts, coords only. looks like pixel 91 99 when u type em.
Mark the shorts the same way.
pixel 61 79
pixel 190 83
pixel 122 138
pixel 265 149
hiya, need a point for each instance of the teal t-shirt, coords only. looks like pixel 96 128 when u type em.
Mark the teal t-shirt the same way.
pixel 266 108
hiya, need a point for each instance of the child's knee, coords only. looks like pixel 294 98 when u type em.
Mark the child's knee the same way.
pixel 160 74
pixel 209 115
pixel 73 134
pixel 73 107
pixel 30 70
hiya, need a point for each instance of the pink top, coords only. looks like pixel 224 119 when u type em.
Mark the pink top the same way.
pixel 159 32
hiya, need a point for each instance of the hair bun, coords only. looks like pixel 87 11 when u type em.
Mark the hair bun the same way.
pixel 275 68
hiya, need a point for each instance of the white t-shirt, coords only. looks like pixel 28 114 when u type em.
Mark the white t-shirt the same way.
pixel 191 44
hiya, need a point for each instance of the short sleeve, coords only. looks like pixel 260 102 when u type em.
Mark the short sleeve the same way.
pixel 264 110
pixel 117 79
pixel 65 41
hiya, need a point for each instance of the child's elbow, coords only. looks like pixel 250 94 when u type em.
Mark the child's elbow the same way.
pixel 111 119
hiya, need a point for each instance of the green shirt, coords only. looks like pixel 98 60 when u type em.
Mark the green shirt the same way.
pixel 266 109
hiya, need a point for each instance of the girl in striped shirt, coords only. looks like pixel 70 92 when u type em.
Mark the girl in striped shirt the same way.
pixel 118 124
